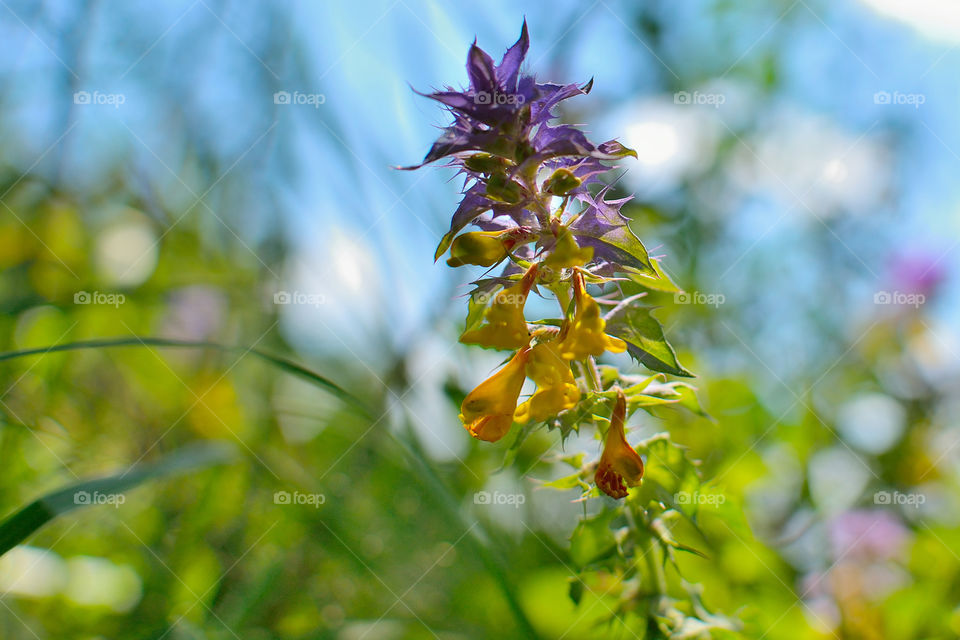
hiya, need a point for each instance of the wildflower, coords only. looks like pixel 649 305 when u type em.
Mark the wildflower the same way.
pixel 567 253
pixel 485 248
pixel 620 465
pixel 487 411
pixel 505 327
pixel 557 389
pixel 584 336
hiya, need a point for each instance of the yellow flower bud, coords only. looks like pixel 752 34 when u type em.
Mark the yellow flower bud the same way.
pixel 620 465
pixel 487 411
pixel 482 248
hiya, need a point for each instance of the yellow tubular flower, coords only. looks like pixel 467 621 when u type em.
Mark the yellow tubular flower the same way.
pixel 556 387
pixel 505 326
pixel 620 465
pixel 567 253
pixel 584 336
pixel 487 411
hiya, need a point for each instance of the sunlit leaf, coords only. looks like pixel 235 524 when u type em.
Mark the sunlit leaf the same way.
pixel 644 337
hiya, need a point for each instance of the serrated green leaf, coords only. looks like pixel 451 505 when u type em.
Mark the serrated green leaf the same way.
pixel 644 337
pixel 690 401
pixel 669 476
pixel 682 395
pixel 656 281
pixel 566 482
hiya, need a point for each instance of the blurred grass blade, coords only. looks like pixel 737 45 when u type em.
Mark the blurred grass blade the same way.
pixel 136 341
pixel 29 519
pixel 479 541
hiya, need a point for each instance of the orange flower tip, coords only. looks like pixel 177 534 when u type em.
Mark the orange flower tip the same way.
pixel 610 482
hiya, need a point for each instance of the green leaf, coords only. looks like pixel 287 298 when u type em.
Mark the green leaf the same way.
pixel 662 530
pixel 639 400
pixel 32 517
pixel 574 460
pixel 669 476
pixel 511 454
pixel 658 281
pixel 631 255
pixel 680 393
pixel 690 401
pixel 477 307
pixel 644 337
pixel 576 589
pixel 567 482
pixel 593 540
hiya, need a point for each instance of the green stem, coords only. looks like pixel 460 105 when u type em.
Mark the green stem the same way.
pixel 593 374
pixel 542 211
pixel 658 579
pixel 563 297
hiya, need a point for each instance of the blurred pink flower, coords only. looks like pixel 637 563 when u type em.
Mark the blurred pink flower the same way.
pixel 917 271
pixel 867 535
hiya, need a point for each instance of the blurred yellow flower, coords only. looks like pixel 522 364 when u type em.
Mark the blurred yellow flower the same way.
pixel 584 335
pixel 487 411
pixel 505 326
pixel 556 387
pixel 620 465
